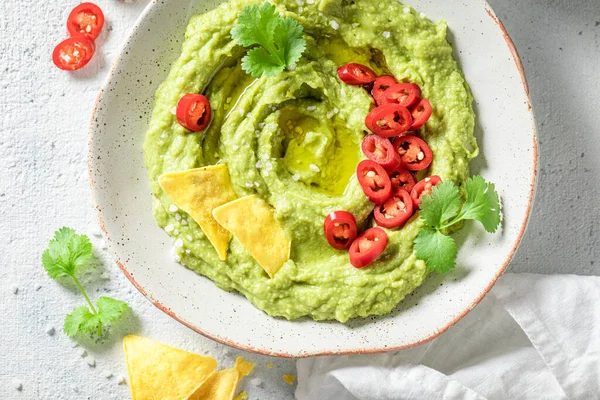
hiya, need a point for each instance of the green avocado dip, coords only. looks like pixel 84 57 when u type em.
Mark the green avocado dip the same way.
pixel 294 141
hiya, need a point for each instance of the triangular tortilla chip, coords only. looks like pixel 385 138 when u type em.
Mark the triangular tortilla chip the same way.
pixel 223 384
pixel 197 192
pixel 252 221
pixel 157 371
pixel 220 386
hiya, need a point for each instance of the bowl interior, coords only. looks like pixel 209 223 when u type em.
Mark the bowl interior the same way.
pixel 505 132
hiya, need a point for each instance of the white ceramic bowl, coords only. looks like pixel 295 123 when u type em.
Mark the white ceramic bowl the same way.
pixel 505 131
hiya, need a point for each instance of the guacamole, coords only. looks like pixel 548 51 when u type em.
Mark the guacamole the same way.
pixel 294 141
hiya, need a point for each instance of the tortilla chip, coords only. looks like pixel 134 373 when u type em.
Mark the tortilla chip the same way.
pixel 220 386
pixel 197 192
pixel 223 384
pixel 252 221
pixel 158 371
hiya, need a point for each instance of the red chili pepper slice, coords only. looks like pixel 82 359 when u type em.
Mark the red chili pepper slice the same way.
pixel 374 181
pixel 402 180
pixel 340 229
pixel 367 247
pixel 356 74
pixel 381 84
pixel 423 188
pixel 73 53
pixel 389 120
pixel 415 154
pixel 381 151
pixel 405 94
pixel 86 19
pixel 194 112
pixel 420 113
pixel 395 211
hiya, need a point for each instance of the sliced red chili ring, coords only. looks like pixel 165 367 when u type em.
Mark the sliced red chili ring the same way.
pixel 395 211
pixel 405 94
pixel 415 154
pixel 85 19
pixel 374 181
pixel 389 120
pixel 381 151
pixel 367 247
pixel 380 85
pixel 340 229
pixel 73 53
pixel 356 74
pixel 423 188
pixel 194 112
pixel 420 113
pixel 402 180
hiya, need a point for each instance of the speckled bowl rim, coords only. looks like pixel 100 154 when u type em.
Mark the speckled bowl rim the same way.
pixel 168 311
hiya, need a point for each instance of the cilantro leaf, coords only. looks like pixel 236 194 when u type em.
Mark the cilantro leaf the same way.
pixel 258 59
pixel 66 252
pixel 288 37
pixel 436 249
pixel 441 205
pixel 280 40
pixel 482 203
pixel 77 319
pixel 442 209
pixel 86 321
pixel 110 310
pixel 256 25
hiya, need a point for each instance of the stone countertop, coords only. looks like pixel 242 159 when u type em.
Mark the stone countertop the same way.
pixel 44 115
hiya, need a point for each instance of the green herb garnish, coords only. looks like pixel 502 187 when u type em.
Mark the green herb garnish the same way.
pixel 443 208
pixel 66 253
pixel 280 40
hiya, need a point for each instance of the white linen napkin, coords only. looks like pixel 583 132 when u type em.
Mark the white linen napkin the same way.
pixel 532 337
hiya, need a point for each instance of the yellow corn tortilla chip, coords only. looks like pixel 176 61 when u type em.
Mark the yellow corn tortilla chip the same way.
pixel 223 384
pixel 157 371
pixel 197 192
pixel 252 221
pixel 220 386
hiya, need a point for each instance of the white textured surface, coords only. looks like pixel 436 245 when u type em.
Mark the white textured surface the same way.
pixel 44 114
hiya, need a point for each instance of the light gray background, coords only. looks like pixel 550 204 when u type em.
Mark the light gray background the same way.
pixel 44 114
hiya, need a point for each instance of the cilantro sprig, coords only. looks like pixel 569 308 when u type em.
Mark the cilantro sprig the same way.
pixel 444 208
pixel 280 42
pixel 66 253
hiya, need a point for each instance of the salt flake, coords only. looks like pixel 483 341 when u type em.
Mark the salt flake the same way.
pixel 17 384
pixel 256 382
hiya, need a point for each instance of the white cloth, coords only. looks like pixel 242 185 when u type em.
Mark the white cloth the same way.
pixel 532 337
